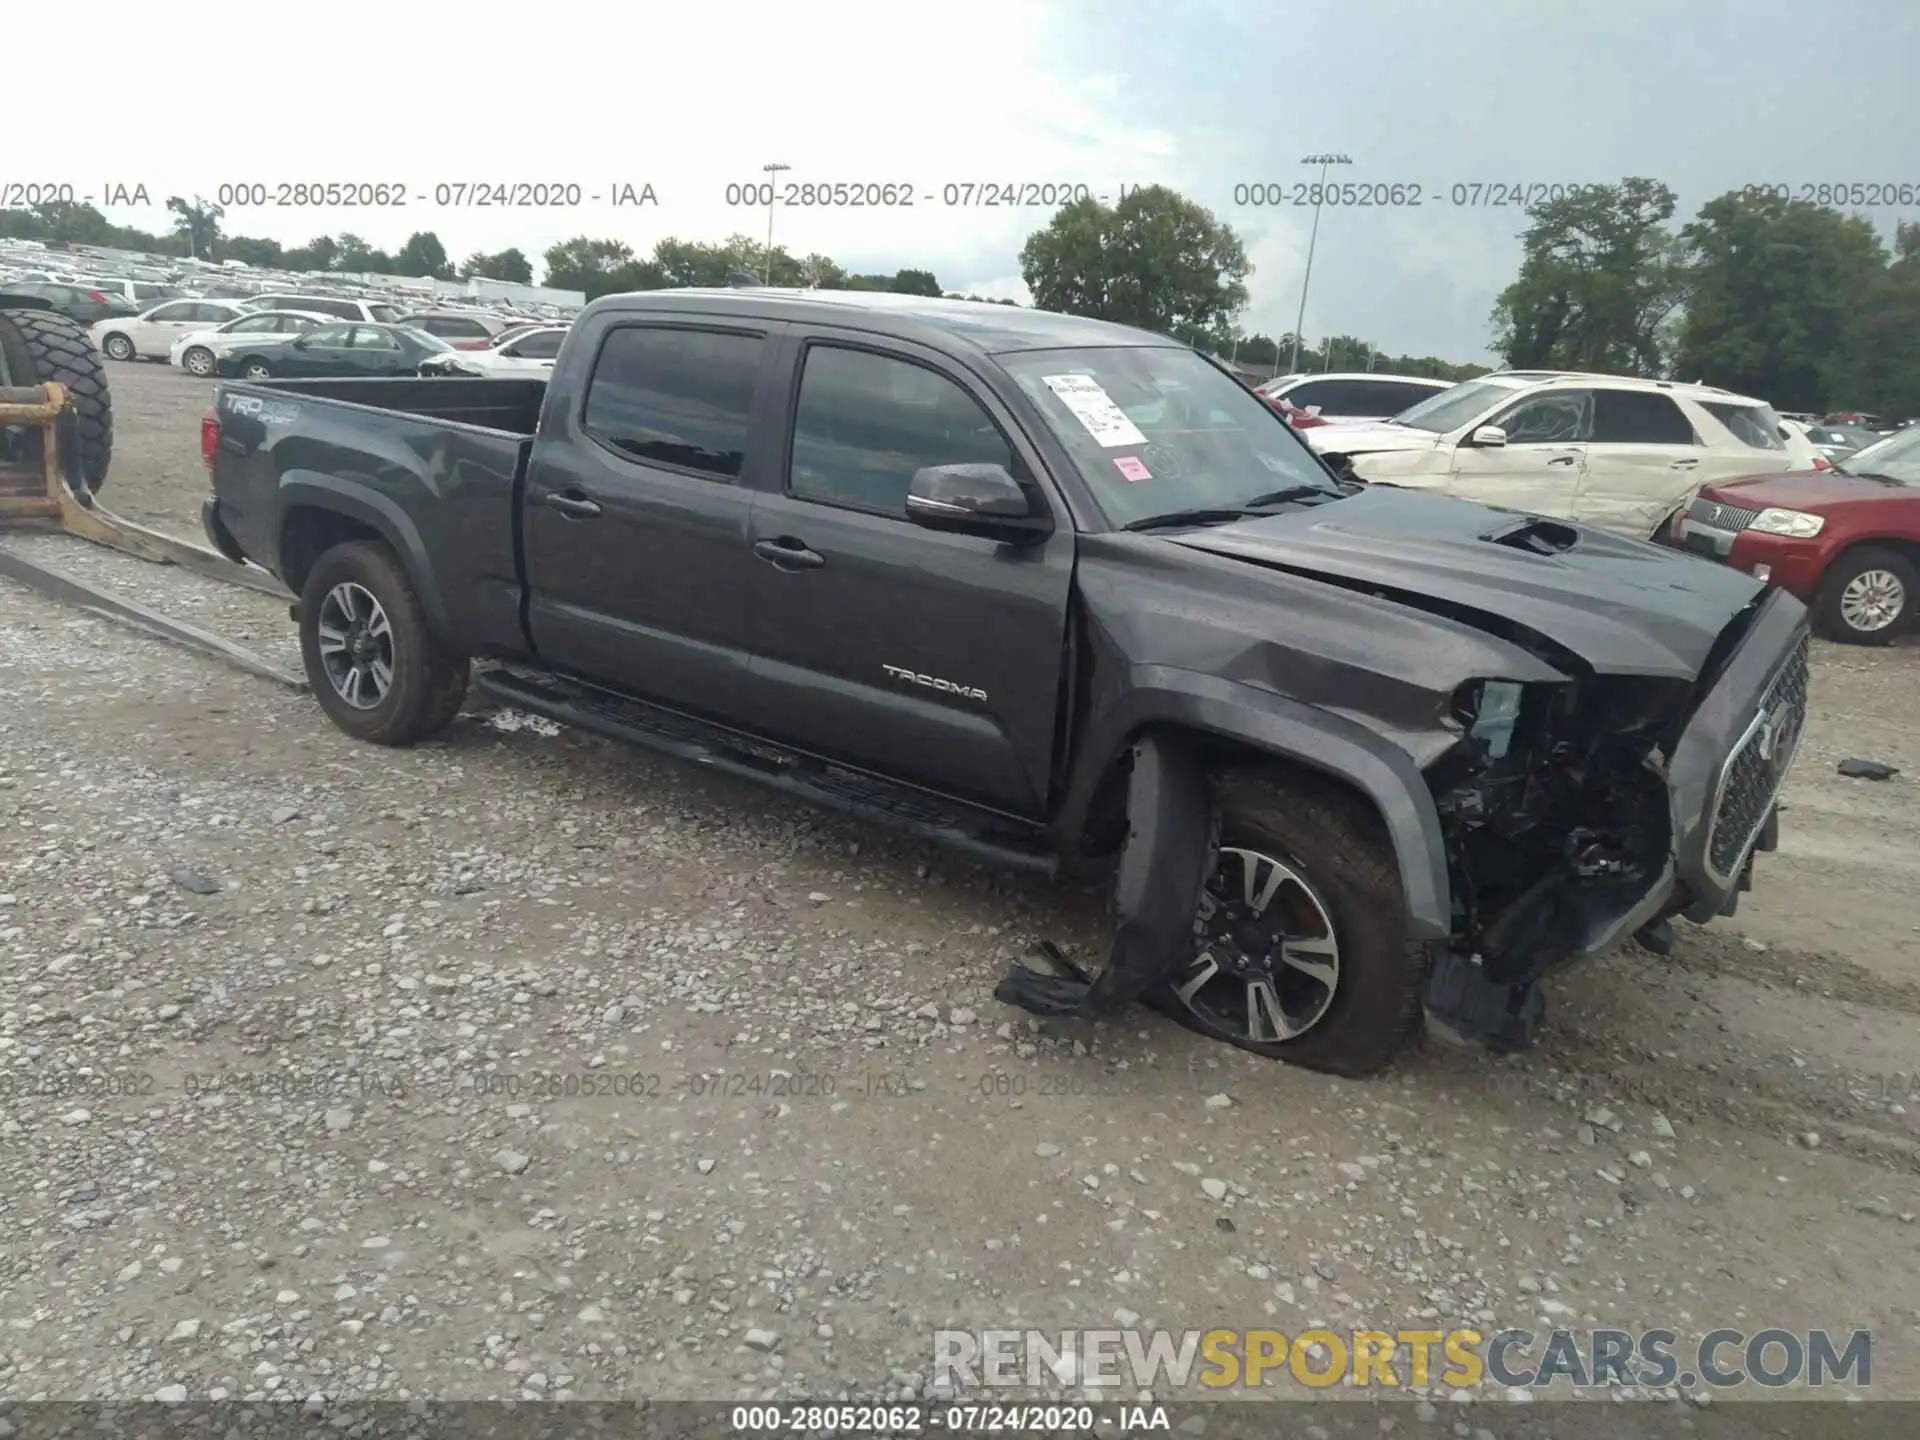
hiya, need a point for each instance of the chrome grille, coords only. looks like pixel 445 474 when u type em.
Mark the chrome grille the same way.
pixel 1721 517
pixel 1750 779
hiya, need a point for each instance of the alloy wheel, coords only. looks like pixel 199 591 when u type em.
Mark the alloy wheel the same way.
pixel 1266 961
pixel 356 645
pixel 1872 601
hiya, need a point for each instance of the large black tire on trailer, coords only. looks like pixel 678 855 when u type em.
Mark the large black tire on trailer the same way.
pixel 38 346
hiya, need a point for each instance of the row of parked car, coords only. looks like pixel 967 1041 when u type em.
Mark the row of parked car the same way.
pixel 1823 507
pixel 292 336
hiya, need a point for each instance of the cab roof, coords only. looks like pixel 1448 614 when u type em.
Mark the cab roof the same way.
pixel 982 325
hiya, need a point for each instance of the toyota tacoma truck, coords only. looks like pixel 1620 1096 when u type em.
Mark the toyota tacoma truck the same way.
pixel 1066 596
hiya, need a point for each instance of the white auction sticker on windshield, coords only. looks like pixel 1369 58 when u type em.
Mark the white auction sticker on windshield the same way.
pixel 1094 409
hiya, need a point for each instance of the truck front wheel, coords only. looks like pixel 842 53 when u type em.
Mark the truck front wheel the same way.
pixel 1301 949
pixel 375 665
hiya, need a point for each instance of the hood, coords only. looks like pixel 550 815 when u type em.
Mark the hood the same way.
pixel 1815 491
pixel 1366 436
pixel 1623 607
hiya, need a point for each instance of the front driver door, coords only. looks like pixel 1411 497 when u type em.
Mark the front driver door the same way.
pixel 932 658
pixel 1538 471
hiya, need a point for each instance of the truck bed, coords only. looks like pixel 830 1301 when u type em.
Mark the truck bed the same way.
pixel 512 406
pixel 432 464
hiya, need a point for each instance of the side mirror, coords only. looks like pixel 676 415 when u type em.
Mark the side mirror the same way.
pixel 1489 435
pixel 976 500
pixel 300 342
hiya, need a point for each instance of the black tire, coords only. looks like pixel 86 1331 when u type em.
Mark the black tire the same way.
pixel 39 346
pixel 1830 606
pixel 254 368
pixel 428 680
pixel 193 352
pixel 118 347
pixel 1335 842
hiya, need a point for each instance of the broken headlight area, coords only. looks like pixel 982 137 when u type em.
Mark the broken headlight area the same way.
pixel 1555 812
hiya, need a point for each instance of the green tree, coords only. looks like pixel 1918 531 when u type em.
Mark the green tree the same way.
pixel 255 251
pixel 423 254
pixel 1599 281
pixel 1876 366
pixel 915 282
pixel 1772 287
pixel 198 221
pixel 1154 259
pixel 600 267
pixel 509 264
pixel 319 254
pixel 357 257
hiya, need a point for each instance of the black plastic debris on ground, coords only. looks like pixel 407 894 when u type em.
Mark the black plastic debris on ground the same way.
pixel 1867 770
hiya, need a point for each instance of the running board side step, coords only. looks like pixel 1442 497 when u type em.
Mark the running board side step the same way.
pixel 980 834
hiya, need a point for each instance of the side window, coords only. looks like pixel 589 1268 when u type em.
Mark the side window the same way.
pixel 866 423
pixel 667 396
pixel 344 309
pixel 1395 397
pixel 538 347
pixel 1748 424
pixel 211 314
pixel 1639 417
pixel 179 310
pixel 256 325
pixel 1313 395
pixel 367 337
pixel 329 336
pixel 1560 417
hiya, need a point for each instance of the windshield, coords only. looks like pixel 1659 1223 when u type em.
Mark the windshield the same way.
pixel 1156 429
pixel 1451 409
pixel 385 314
pixel 1896 458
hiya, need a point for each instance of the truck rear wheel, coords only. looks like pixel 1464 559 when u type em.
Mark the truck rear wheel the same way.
pixel 1302 952
pixel 38 346
pixel 374 663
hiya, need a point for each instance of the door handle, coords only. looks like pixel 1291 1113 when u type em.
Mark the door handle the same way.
pixel 574 505
pixel 1563 459
pixel 1684 464
pixel 787 553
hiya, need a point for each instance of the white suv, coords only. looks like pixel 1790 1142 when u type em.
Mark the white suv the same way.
pixel 1608 451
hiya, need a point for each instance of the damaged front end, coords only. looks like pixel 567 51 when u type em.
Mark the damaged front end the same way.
pixel 1578 814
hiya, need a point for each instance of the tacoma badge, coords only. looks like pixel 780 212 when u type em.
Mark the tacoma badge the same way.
pixel 965 692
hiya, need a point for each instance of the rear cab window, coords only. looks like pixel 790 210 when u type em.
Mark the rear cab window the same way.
pixel 678 397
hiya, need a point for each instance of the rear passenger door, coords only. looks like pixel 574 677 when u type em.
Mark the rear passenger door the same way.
pixel 1643 462
pixel 932 658
pixel 638 564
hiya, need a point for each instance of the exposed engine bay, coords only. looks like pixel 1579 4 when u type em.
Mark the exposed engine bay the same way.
pixel 1557 822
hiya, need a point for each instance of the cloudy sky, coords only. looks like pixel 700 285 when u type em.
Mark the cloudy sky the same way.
pixel 1203 95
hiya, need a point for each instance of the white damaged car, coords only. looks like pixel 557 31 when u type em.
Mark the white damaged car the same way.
pixel 1620 454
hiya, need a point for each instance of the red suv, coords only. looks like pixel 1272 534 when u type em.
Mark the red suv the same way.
pixel 1844 540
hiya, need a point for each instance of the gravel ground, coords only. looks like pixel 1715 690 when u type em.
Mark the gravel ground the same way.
pixel 520 1064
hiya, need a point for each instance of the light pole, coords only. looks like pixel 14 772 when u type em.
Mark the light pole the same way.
pixel 773 186
pixel 1323 161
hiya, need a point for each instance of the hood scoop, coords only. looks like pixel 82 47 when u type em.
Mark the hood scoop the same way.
pixel 1535 536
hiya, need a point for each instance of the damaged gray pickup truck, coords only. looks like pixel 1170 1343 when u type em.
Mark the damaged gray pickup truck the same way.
pixel 1065 596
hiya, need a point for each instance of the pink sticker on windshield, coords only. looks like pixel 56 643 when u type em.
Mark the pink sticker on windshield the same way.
pixel 1130 467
